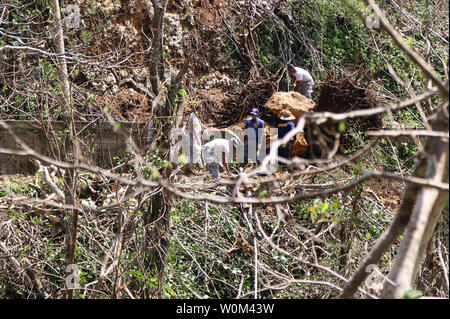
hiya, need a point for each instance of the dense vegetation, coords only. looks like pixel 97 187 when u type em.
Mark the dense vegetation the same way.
pixel 138 240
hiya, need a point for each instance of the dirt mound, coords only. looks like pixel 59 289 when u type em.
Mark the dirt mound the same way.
pixel 232 109
pixel 300 146
pixel 339 93
pixel 342 93
pixel 213 101
pixel 127 105
pixel 298 105
pixel 389 191
pixel 294 102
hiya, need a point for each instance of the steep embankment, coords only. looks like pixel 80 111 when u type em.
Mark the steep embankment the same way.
pixel 119 32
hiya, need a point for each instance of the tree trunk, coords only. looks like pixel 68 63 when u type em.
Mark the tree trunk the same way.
pixel 60 51
pixel 71 219
pixel 404 215
pixel 425 215
pixel 156 62
pixel 155 218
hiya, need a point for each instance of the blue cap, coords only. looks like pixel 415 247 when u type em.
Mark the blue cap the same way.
pixel 254 111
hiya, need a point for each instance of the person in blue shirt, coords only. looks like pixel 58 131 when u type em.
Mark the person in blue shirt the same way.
pixel 284 127
pixel 254 137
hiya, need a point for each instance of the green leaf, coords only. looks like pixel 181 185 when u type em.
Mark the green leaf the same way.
pixel 182 159
pixel 335 204
pixel 170 291
pixel 412 294
pixel 182 92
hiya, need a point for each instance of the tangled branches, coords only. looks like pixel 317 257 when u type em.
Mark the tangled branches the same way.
pixel 340 93
pixel 235 108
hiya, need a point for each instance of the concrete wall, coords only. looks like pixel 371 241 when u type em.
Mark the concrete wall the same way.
pixel 99 143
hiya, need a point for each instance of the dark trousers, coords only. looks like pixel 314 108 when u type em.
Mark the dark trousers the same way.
pixel 284 152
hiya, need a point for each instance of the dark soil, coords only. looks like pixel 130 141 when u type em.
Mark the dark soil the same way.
pixel 340 93
pixel 234 108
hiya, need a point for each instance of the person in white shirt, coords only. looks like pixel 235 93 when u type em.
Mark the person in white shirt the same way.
pixel 194 129
pixel 303 81
pixel 216 152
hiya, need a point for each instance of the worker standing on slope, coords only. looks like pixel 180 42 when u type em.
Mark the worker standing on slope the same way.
pixel 283 128
pixel 254 130
pixel 303 80
pixel 194 129
pixel 216 153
